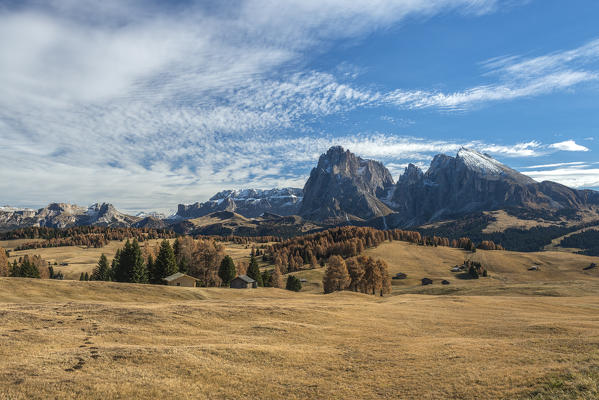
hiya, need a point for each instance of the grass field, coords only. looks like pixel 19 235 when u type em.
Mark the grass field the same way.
pixel 103 340
pixel 518 334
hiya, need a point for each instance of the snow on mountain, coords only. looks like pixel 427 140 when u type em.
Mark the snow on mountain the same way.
pixel 480 162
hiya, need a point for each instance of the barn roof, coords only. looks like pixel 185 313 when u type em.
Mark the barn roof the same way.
pixel 246 278
pixel 176 275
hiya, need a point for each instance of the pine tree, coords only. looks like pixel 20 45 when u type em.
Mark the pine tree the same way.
pixel 130 266
pixel 293 283
pixel 114 265
pixel 102 270
pixel 140 270
pixel 82 277
pixel 28 269
pixel 276 279
pixel 165 264
pixel 266 278
pixel 227 270
pixel 86 277
pixel 254 271
pixel 336 276
pixel 151 268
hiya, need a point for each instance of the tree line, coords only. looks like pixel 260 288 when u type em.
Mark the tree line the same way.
pixel 350 241
pixel 91 236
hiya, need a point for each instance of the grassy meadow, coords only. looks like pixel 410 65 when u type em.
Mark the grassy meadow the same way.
pixel 517 334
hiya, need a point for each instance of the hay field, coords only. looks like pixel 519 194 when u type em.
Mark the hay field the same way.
pixel 101 340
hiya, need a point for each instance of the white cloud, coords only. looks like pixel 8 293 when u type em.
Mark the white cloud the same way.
pixel 577 163
pixel 146 106
pixel 577 177
pixel 568 145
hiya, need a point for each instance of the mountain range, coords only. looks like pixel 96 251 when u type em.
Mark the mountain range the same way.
pixel 344 189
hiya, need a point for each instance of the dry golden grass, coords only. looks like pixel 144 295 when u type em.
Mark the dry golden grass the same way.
pixel 517 334
pixel 560 273
pixel 504 221
pixel 101 340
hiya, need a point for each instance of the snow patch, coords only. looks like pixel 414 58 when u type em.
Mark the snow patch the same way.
pixel 480 162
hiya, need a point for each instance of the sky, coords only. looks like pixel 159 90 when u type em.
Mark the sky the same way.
pixel 147 104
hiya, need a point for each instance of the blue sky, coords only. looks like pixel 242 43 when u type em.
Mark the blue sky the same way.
pixel 148 104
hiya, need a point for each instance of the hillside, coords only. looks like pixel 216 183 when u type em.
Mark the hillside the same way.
pixel 101 340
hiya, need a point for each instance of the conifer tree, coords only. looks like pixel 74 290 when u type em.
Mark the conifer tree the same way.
pixel 227 270
pixel 254 271
pixel 336 276
pixel 102 271
pixel 293 284
pixel 165 263
pixel 28 269
pixel 82 277
pixel 266 277
pixel 86 277
pixel 131 266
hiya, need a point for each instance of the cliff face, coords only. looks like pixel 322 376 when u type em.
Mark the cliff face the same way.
pixel 345 187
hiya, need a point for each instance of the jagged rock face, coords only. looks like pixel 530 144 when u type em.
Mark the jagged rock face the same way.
pixel 61 215
pixel 344 186
pixel 474 182
pixel 250 203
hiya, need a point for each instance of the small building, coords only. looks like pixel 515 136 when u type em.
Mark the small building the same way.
pixel 180 279
pixel 243 282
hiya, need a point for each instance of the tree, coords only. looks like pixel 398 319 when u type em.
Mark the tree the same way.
pixel 28 269
pixel 254 271
pixel 293 283
pixel 205 260
pixel 385 286
pixel 165 264
pixel 114 265
pixel 102 271
pixel 266 278
pixel 131 266
pixel 86 276
pixel 356 273
pixel 373 278
pixel 82 277
pixel 227 270
pixel 4 264
pixel 336 276
pixel 276 279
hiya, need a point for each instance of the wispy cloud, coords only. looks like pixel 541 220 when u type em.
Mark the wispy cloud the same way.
pixel 568 145
pixel 577 176
pixel 578 163
pixel 147 105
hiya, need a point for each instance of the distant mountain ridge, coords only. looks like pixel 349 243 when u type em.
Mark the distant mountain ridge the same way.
pixel 247 202
pixel 62 215
pixel 342 189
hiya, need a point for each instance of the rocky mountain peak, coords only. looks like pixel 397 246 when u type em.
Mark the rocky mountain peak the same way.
pixel 345 186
